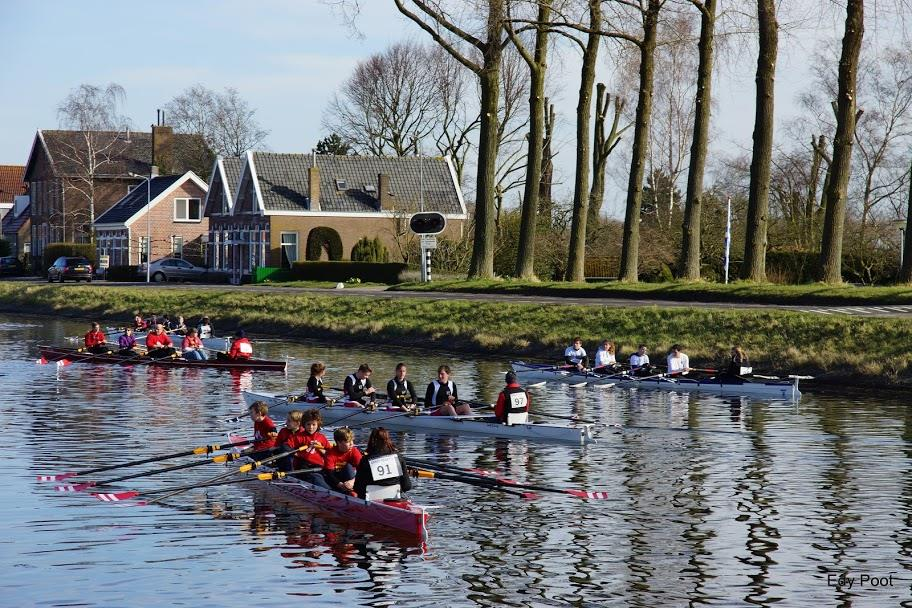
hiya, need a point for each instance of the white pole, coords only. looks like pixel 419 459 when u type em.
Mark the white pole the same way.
pixel 148 227
pixel 728 237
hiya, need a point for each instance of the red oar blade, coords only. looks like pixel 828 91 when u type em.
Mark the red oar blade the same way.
pixel 76 487
pixel 58 477
pixel 585 494
pixel 115 496
pixel 530 496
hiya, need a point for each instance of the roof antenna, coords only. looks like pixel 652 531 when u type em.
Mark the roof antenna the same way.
pixel 158 117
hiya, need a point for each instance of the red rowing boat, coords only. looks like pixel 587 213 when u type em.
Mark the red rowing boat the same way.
pixel 60 353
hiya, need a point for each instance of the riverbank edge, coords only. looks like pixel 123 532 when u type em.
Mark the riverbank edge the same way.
pixel 330 318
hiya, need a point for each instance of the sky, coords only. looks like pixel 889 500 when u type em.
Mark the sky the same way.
pixel 285 57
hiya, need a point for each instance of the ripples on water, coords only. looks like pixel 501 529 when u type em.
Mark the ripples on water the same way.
pixel 713 501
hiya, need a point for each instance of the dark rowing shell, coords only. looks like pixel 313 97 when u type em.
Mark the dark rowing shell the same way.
pixel 56 353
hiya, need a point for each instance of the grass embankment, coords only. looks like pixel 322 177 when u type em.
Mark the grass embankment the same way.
pixel 817 294
pixel 838 349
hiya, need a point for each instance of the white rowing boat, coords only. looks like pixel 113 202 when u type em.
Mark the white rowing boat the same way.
pixel 786 389
pixel 457 425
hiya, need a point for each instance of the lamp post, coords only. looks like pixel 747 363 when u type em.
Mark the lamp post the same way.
pixel 153 172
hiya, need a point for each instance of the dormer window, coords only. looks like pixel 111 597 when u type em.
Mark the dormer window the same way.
pixel 341 185
pixel 370 188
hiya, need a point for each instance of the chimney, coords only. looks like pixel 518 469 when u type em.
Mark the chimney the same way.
pixel 383 192
pixel 162 147
pixel 313 179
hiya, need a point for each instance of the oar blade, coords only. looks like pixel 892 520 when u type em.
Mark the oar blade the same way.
pixel 115 496
pixel 589 495
pixel 530 496
pixel 58 477
pixel 76 487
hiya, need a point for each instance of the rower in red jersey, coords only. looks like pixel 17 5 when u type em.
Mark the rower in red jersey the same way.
pixel 342 462
pixel 158 344
pixel 241 348
pixel 303 429
pixel 264 429
pixel 95 341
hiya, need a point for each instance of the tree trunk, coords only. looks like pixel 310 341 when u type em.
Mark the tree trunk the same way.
pixel 834 219
pixel 525 256
pixel 547 172
pixel 758 200
pixel 905 273
pixel 630 249
pixel 811 200
pixel 599 157
pixel 576 258
pixel 693 203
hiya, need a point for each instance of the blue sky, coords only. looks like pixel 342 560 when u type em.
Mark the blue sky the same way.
pixel 286 57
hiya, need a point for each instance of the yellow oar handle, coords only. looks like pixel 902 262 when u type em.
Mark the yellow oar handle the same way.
pixel 226 457
pixel 421 473
pixel 271 476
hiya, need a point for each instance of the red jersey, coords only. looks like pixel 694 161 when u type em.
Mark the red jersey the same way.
pixel 192 342
pixel 158 341
pixel 261 434
pixel 94 338
pixel 500 407
pixel 336 460
pixel 241 349
pixel 311 457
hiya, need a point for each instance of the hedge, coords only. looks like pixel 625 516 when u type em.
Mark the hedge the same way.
pixel 55 250
pixel 320 236
pixel 369 272
pixel 122 273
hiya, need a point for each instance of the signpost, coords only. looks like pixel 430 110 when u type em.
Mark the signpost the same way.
pixel 428 225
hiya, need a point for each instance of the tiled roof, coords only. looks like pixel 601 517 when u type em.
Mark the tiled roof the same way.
pixel 12 223
pixel 135 200
pixel 125 152
pixel 11 184
pixel 349 183
pixel 233 165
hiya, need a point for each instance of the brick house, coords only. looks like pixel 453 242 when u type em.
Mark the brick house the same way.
pixel 11 186
pixel 269 215
pixel 16 227
pixel 169 207
pixel 75 176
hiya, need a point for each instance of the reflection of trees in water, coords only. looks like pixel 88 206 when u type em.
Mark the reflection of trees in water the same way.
pixel 903 536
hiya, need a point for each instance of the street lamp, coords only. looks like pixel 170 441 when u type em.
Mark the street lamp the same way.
pixel 153 172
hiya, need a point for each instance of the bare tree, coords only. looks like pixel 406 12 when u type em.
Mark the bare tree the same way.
pixel 225 120
pixel 94 113
pixel 511 130
pixel 603 145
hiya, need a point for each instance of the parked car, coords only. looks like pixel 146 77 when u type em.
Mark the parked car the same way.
pixel 76 269
pixel 10 266
pixel 174 269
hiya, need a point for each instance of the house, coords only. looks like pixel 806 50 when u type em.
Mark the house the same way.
pixel 282 206
pixel 75 176
pixel 11 186
pixel 167 207
pixel 16 227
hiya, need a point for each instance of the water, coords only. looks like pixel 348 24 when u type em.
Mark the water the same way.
pixel 712 501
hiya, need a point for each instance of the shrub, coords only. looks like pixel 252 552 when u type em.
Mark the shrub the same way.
pixel 55 250
pixel 369 250
pixel 122 273
pixel 323 237
pixel 340 272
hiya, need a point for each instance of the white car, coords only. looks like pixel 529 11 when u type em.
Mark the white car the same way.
pixel 174 269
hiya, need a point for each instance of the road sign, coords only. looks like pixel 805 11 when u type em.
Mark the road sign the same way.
pixel 428 241
pixel 427 223
pixel 104 261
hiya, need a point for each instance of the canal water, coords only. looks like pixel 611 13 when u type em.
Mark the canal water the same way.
pixel 710 501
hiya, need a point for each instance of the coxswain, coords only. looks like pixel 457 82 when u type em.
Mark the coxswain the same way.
pixel 241 348
pixel 204 329
pixel 192 347
pixel 264 429
pixel 95 341
pixel 441 395
pixel 605 359
pixel 639 362
pixel 139 324
pixel 127 342
pixel 677 361
pixel 358 387
pixel 575 355
pixel 401 391
pixel 158 343
pixel 341 462
pixel 513 402
pixel 382 473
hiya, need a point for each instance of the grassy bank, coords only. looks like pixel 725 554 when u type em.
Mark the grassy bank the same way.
pixel 838 349
pixel 816 294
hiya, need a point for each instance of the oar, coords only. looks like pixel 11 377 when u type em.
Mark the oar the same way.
pixel 117 496
pixel 484 483
pixel 79 487
pixel 502 481
pixel 204 449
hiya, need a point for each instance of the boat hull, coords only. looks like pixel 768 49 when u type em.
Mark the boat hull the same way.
pixel 787 390
pixel 54 353
pixel 456 425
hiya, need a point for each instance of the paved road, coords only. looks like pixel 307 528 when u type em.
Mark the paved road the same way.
pixel 374 292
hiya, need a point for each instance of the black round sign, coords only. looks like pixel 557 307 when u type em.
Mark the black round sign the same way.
pixel 427 223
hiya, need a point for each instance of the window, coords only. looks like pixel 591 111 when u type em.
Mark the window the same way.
pixel 177 246
pixel 341 185
pixel 224 203
pixel 187 210
pixel 289 248
pixel 370 188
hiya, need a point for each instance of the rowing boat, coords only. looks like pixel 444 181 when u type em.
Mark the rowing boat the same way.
pixel 59 353
pixel 221 344
pixel 786 389
pixel 354 413
pixel 402 515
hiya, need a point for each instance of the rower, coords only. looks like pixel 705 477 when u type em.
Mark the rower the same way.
pixel 204 329
pixel 513 402
pixel 739 365
pixel 401 392
pixel 382 473
pixel 639 362
pixel 342 462
pixel 192 347
pixel 264 429
pixel 358 387
pixel 605 360
pixel 95 341
pixel 678 362
pixel 314 393
pixel 139 324
pixel 158 344
pixel 241 348
pixel 303 429
pixel 179 326
pixel 575 355
pixel 441 394
pixel 127 342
